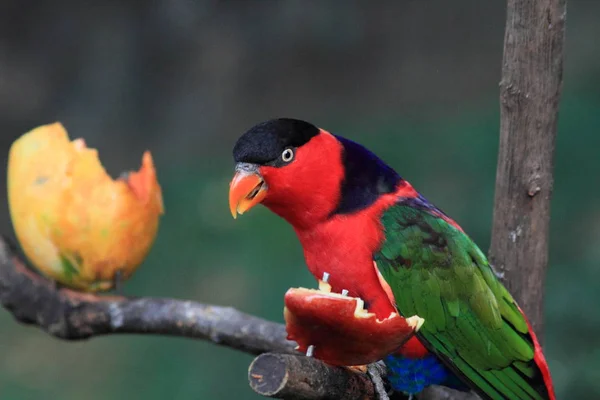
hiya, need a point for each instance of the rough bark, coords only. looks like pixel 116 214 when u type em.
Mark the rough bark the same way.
pixel 71 315
pixel 529 98
pixel 288 377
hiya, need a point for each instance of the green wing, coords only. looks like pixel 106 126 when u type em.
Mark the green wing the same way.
pixel 471 321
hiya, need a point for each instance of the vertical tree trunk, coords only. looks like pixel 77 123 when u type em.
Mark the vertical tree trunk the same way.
pixel 529 98
pixel 530 90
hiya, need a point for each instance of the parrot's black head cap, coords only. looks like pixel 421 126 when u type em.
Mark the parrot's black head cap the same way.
pixel 264 142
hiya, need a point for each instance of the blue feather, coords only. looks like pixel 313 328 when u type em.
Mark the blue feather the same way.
pixel 411 376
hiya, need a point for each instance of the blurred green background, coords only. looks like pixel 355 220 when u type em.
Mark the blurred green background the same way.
pixel 417 82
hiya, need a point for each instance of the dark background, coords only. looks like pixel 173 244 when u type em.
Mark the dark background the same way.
pixel 417 82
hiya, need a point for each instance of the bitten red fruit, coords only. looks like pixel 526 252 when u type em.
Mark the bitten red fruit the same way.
pixel 342 331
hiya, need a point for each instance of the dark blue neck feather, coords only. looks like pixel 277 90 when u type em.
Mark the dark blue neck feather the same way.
pixel 366 178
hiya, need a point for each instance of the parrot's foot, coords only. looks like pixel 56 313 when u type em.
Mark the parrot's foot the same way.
pixel 377 371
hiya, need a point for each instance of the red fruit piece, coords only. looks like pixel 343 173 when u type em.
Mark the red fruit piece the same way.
pixel 342 331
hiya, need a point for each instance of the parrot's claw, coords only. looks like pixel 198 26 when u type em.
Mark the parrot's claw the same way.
pixel 377 371
pixel 310 351
pixel 325 277
pixel 345 292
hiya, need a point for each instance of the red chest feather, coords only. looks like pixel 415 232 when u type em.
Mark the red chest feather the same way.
pixel 343 247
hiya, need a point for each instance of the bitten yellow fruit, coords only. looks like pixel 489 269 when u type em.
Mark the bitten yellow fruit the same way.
pixel 75 223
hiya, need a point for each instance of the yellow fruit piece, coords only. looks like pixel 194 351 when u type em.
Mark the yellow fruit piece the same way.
pixel 75 223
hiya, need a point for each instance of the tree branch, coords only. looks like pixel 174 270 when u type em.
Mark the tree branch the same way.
pixel 289 377
pixel 72 315
pixel 529 95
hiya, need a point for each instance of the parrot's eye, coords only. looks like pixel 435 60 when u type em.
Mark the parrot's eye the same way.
pixel 287 155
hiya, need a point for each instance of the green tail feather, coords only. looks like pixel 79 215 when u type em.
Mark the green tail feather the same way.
pixel 471 321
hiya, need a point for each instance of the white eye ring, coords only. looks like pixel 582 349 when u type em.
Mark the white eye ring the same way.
pixel 287 155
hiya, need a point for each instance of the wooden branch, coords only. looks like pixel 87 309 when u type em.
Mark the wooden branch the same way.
pixel 285 376
pixel 71 315
pixel 529 95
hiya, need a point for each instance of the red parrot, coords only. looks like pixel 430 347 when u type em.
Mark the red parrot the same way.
pixel 378 239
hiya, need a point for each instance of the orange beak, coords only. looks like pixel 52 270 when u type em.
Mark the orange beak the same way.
pixel 247 189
